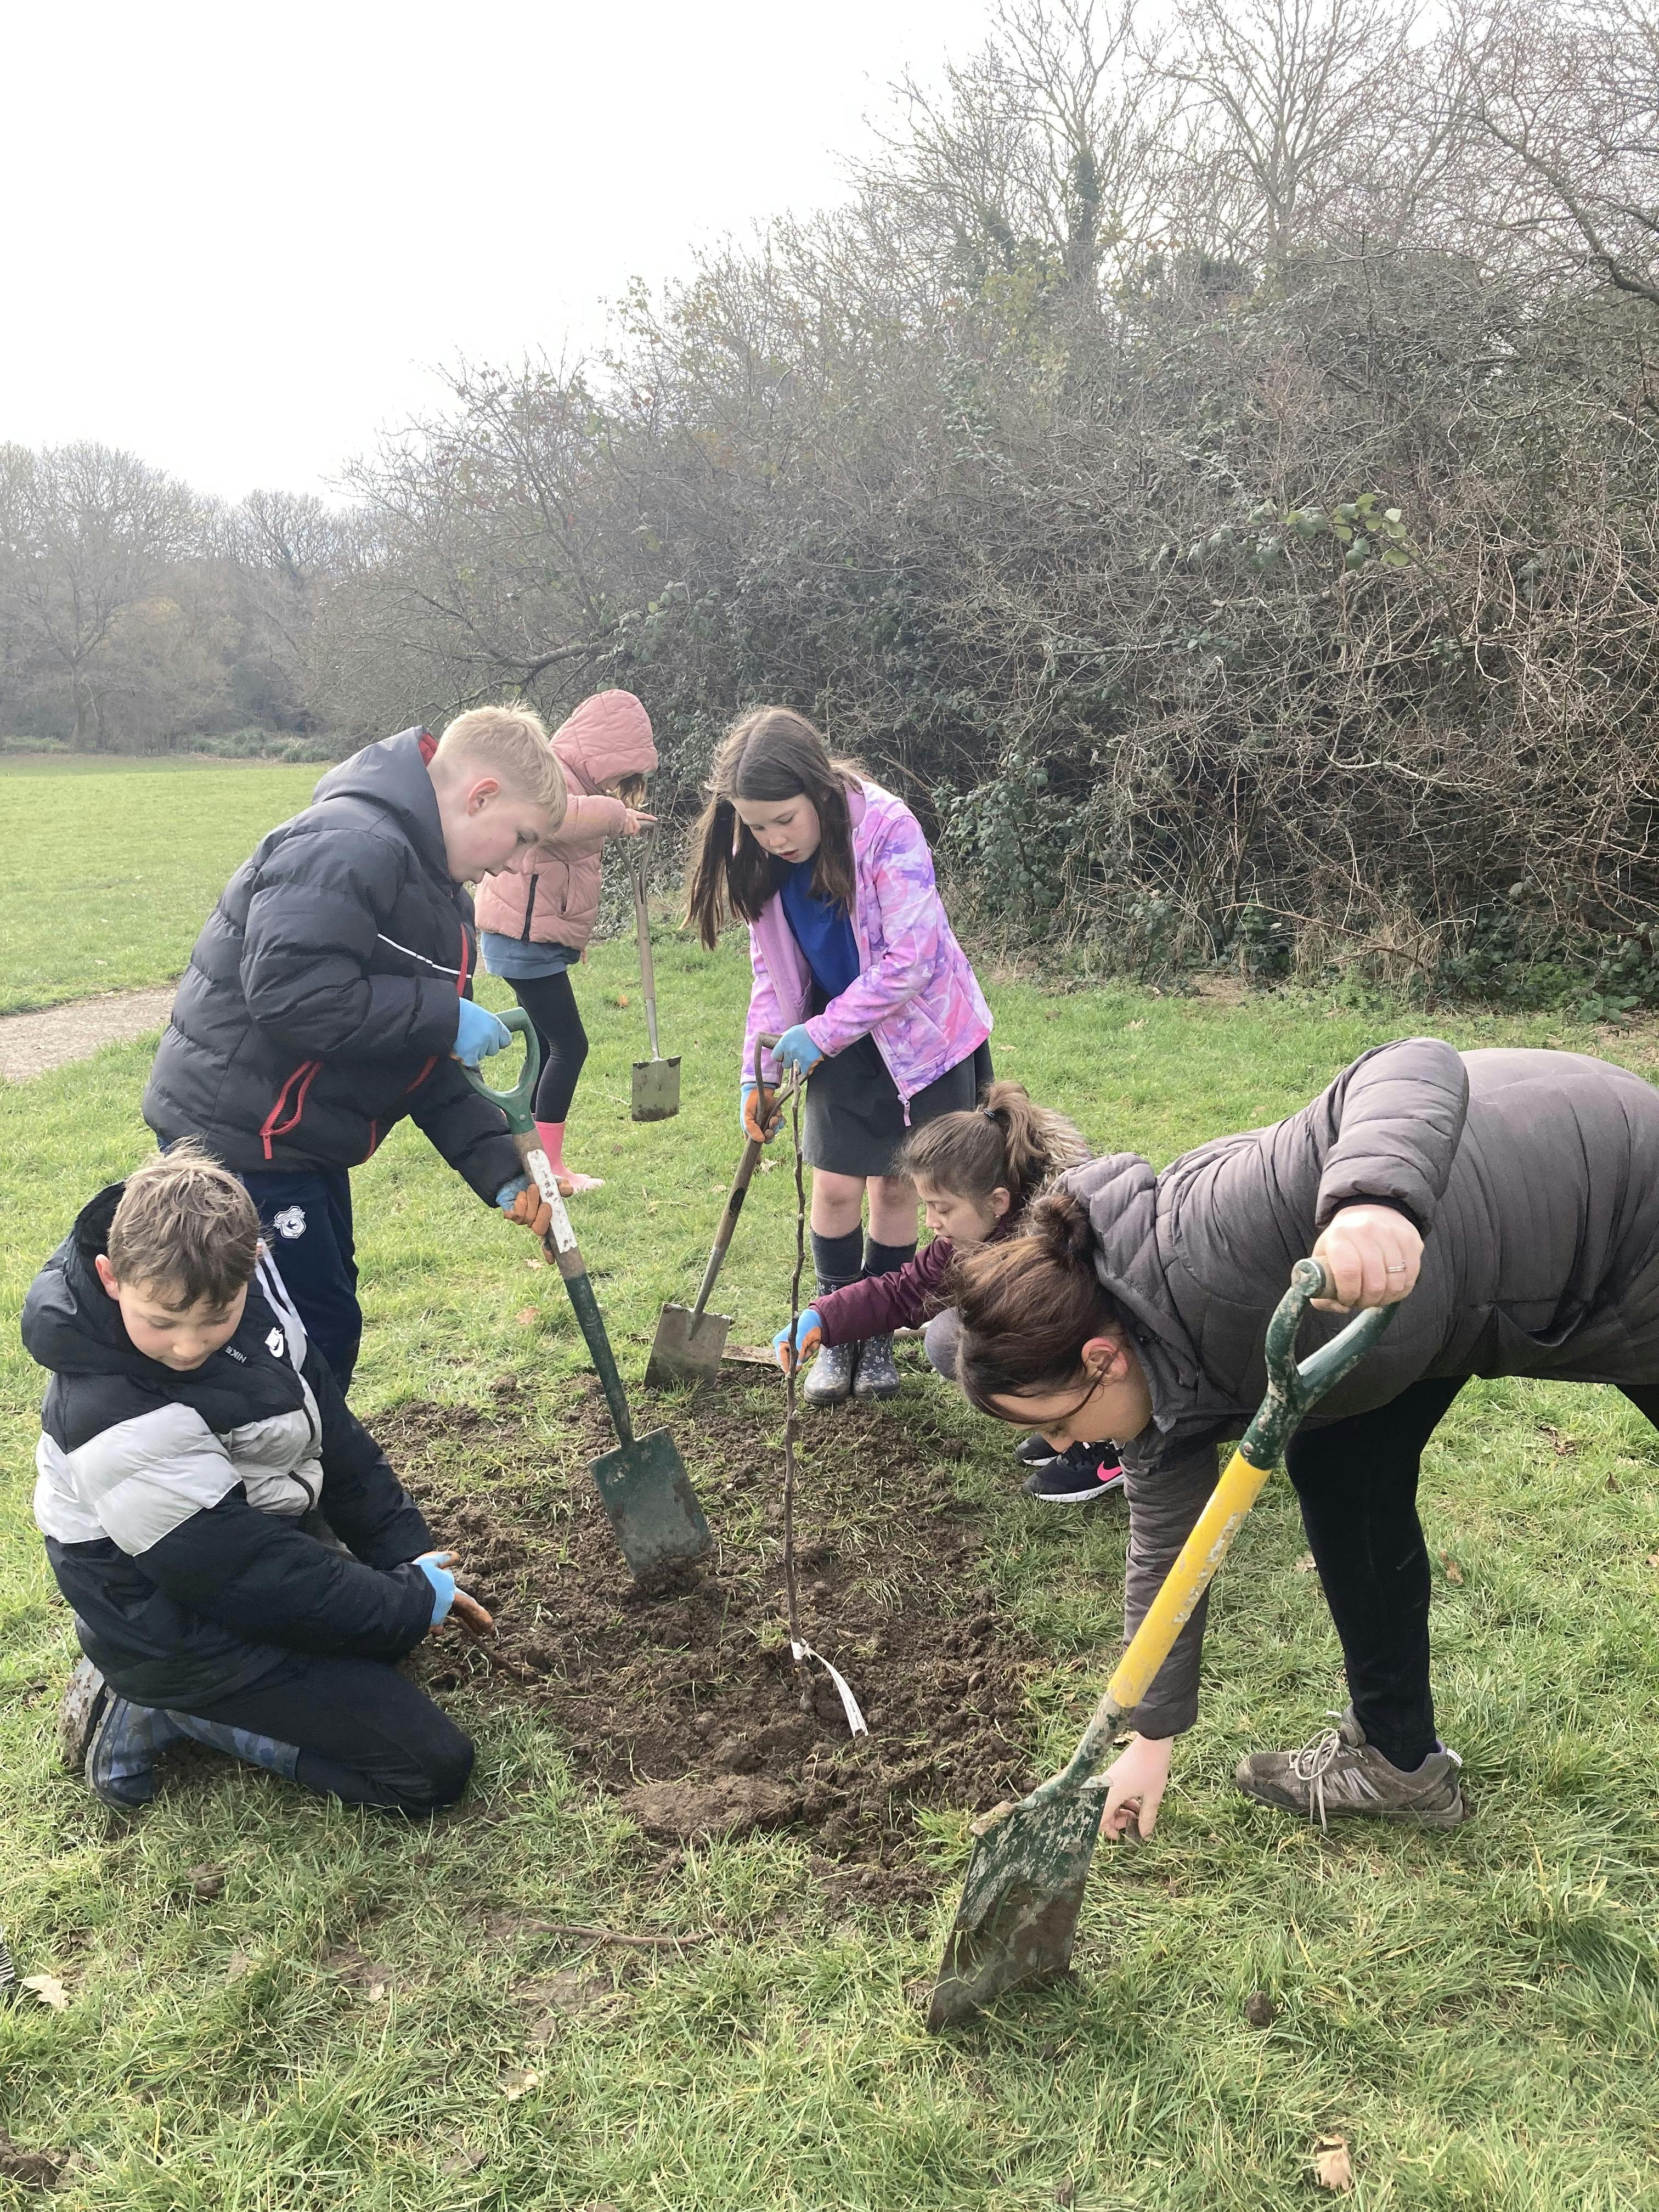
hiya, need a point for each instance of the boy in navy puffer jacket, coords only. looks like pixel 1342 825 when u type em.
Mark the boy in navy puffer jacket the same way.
pixel 243 1565
pixel 329 996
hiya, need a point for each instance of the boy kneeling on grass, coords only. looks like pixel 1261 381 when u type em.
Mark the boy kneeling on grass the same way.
pixel 243 1565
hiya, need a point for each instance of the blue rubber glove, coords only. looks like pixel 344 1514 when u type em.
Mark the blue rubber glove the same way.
pixel 509 1191
pixel 809 1335
pixel 795 1051
pixel 477 1033
pixel 431 1564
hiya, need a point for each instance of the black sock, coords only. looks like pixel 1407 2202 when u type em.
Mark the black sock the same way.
pixel 887 1259
pixel 837 1260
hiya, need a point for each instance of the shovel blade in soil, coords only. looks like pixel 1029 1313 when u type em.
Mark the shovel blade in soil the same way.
pixel 1019 1903
pixel 656 1088
pixel 687 1348
pixel 647 1494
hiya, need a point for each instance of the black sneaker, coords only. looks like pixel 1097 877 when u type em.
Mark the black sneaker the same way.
pixel 1035 1451
pixel 1085 1471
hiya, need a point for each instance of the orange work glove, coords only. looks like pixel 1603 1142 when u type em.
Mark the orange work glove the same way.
pixel 760 1121
pixel 527 1207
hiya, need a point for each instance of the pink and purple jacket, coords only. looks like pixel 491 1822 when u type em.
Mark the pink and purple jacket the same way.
pixel 914 994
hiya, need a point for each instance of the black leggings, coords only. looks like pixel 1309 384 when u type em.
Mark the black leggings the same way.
pixel 1356 1482
pixel 551 1004
pixel 365 1733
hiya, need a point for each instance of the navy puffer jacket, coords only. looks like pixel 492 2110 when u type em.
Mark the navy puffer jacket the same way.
pixel 319 1004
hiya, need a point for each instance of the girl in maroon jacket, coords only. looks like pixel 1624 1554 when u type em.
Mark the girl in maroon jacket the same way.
pixel 975 1172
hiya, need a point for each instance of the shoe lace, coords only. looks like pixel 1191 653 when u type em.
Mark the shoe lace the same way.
pixel 1313 1763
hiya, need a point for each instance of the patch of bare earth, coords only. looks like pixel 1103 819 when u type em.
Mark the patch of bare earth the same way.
pixel 32 1044
pixel 686 1702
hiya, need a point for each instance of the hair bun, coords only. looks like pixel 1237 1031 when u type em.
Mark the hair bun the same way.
pixel 1061 1219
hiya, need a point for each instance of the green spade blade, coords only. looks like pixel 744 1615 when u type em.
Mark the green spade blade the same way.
pixel 1020 1902
pixel 645 1490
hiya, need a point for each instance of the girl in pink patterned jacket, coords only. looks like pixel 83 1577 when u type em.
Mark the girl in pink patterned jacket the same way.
pixel 857 970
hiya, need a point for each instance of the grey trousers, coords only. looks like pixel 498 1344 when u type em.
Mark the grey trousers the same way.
pixel 939 1340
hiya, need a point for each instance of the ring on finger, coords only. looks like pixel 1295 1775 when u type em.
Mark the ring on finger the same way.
pixel 1397 1268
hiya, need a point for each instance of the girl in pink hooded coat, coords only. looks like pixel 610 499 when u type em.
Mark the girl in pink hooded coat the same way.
pixel 857 972
pixel 532 926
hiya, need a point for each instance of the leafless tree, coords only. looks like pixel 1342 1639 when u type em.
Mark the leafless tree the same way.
pixel 1047 147
pixel 1568 98
pixel 86 534
pixel 1291 103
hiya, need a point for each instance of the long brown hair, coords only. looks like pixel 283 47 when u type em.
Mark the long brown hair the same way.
pixel 1005 1143
pixel 1027 1308
pixel 771 753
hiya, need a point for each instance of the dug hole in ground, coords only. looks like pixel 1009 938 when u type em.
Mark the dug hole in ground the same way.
pixel 684 1700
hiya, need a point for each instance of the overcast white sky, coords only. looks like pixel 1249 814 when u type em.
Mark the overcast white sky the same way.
pixel 238 238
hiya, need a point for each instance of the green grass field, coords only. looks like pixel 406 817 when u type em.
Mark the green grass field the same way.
pixel 107 868
pixel 350 2022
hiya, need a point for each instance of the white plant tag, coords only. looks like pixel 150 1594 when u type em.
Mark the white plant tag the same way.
pixel 856 1723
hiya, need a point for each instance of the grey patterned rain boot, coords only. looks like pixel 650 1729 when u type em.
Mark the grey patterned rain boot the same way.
pixel 830 1378
pixel 1339 1772
pixel 876 1375
pixel 84 1700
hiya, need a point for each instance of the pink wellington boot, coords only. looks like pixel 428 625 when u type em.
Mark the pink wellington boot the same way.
pixel 552 1136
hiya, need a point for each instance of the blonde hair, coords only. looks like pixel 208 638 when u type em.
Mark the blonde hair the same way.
pixel 185 1226
pixel 513 741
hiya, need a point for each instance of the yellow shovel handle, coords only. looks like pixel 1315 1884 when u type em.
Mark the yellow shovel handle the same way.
pixel 1186 1580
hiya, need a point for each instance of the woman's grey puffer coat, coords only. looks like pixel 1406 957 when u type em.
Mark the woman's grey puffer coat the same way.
pixel 1534 1177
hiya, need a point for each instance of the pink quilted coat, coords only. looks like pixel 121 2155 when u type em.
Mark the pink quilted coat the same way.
pixel 557 901
pixel 915 994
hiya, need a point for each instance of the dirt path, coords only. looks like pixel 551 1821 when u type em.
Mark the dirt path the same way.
pixel 32 1043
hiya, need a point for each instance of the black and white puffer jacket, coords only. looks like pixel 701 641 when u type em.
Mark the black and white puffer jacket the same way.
pixel 176 1508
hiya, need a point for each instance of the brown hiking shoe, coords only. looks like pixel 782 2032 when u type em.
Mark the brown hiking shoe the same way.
pixel 1339 1773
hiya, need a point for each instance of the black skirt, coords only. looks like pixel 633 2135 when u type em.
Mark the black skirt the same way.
pixel 854 1122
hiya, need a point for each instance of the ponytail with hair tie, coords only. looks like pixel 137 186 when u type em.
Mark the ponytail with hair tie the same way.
pixel 1061 1219
pixel 1005 1142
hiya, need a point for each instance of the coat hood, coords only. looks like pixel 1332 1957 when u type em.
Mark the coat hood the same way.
pixel 1120 1193
pixel 392 775
pixel 608 736
pixel 70 1324
pixel 73 1327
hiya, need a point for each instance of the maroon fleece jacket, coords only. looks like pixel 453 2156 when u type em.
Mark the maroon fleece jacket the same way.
pixel 909 1296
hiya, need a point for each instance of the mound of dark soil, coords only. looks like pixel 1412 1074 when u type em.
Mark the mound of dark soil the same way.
pixel 687 1701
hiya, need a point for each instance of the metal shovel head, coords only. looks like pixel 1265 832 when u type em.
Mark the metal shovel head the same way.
pixel 1019 1903
pixel 687 1348
pixel 645 1489
pixel 656 1088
